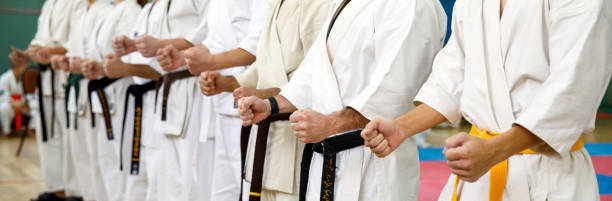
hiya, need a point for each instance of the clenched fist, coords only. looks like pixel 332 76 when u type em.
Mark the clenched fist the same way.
pixel 310 126
pixel 43 56
pixel 76 65
pixel 253 110
pixel 469 157
pixel 123 45
pixel 60 62
pixel 92 70
pixel 382 136
pixel 170 58
pixel 208 83
pixel 242 92
pixel 147 45
pixel 199 59
pixel 114 67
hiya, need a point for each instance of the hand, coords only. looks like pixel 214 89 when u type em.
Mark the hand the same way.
pixel 114 67
pixel 208 83
pixel 147 45
pixel 199 59
pixel 92 70
pixel 43 56
pixel 19 53
pixel 242 92
pixel 382 136
pixel 31 51
pixel 170 58
pixel 76 65
pixel 60 62
pixel 469 157
pixel 253 110
pixel 123 45
pixel 310 126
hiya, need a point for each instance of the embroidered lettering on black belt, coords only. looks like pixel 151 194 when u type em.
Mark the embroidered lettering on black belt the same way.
pixel 98 86
pixel 329 148
pixel 167 81
pixel 261 144
pixel 137 91
pixel 73 82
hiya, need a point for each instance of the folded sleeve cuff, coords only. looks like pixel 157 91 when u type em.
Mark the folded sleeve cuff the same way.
pixel 560 139
pixel 439 101
pixel 295 96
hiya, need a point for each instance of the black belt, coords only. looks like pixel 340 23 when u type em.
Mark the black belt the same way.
pixel 167 81
pixel 329 148
pixel 98 86
pixel 261 144
pixel 41 102
pixel 73 82
pixel 137 91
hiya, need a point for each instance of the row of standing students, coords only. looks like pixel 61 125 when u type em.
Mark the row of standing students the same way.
pixel 126 116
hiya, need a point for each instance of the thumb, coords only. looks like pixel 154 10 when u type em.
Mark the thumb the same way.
pixel 371 130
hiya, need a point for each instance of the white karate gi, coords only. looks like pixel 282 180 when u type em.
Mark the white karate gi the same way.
pixel 173 170
pixel 52 30
pixel 545 66
pixel 232 24
pixel 8 87
pixel 376 58
pixel 290 28
pixel 118 22
pixel 83 143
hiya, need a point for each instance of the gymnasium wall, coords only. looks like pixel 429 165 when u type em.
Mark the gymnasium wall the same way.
pixel 18 19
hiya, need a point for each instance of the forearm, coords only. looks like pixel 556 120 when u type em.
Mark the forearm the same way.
pixel 142 70
pixel 346 119
pixel 58 50
pixel 418 119
pixel 232 58
pixel 284 106
pixel 178 43
pixel 512 142
pixel 229 83
pixel 265 93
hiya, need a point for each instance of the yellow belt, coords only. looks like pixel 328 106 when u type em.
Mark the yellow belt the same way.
pixel 499 172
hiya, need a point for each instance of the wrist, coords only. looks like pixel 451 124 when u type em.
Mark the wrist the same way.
pixel 403 129
pixel 213 62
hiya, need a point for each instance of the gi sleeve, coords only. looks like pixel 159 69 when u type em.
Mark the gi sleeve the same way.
pixel 443 89
pixel 197 35
pixel 60 30
pixel 258 15
pixel 249 77
pixel 403 54
pixel 580 43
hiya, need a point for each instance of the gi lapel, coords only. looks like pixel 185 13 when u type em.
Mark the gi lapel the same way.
pixel 499 91
pixel 275 55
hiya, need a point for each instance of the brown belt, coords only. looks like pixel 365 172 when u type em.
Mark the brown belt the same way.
pixel 261 144
pixel 167 81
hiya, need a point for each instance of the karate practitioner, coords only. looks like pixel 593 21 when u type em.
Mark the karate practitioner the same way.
pixel 82 142
pixel 233 32
pixel 368 59
pixel 107 96
pixel 529 76
pixel 171 23
pixel 11 94
pixel 290 28
pixel 54 27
